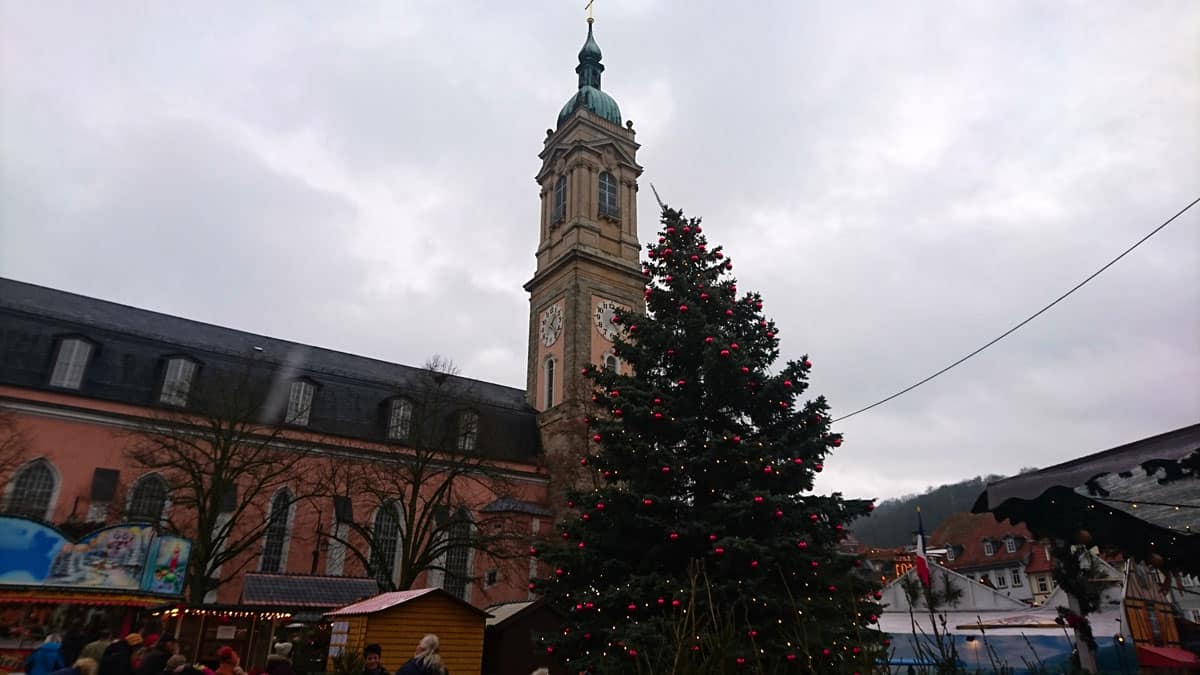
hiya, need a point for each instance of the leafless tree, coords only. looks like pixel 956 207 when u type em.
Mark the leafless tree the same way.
pixel 14 445
pixel 425 492
pixel 225 457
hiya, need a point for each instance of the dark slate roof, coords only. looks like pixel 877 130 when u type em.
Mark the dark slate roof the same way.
pixel 508 504
pixel 297 590
pixel 131 345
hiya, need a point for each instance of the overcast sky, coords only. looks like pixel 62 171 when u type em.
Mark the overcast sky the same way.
pixel 902 182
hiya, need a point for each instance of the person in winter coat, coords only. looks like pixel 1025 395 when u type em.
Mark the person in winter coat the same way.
pixel 47 658
pixel 118 656
pixel 229 662
pixel 82 666
pixel 94 650
pixel 154 661
pixel 427 660
pixel 279 663
pixel 373 654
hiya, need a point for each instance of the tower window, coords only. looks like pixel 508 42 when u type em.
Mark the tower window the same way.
pixel 612 364
pixel 73 354
pixel 549 375
pixel 300 398
pixel 400 419
pixel 608 195
pixel 177 382
pixel 468 430
pixel 560 199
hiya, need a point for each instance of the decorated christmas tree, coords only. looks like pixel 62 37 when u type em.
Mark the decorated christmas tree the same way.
pixel 699 547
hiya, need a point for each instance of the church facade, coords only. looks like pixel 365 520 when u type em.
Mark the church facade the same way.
pixel 82 378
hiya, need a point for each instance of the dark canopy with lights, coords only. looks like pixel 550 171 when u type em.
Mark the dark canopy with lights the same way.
pixel 1142 498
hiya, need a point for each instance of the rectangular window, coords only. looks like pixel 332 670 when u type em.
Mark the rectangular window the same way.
pixel 608 195
pixel 1001 580
pixel 177 382
pixel 468 430
pixel 400 419
pixel 492 576
pixel 1016 578
pixel 1010 545
pixel 72 358
pixel 988 548
pixel 1042 586
pixel 950 553
pixel 299 402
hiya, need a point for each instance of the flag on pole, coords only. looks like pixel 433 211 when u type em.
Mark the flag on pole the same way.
pixel 922 561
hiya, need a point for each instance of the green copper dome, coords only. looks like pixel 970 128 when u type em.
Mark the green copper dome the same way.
pixel 589 96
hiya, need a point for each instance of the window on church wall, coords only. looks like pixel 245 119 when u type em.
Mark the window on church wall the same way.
pixel 560 200
pixel 386 543
pixel 549 376
pixel 148 499
pixel 32 490
pixel 458 551
pixel 69 364
pixel 300 397
pixel 276 532
pixel 608 196
pixel 612 364
pixel 400 412
pixel 177 381
pixel 468 430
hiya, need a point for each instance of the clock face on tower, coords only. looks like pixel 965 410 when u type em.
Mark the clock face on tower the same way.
pixel 551 327
pixel 605 311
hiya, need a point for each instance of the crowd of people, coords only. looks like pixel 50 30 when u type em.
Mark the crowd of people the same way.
pixel 159 655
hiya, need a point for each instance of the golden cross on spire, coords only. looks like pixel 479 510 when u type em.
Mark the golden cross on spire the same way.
pixel 588 7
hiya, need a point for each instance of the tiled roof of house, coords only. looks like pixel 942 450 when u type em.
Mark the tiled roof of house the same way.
pixel 967 532
pixel 1040 560
pixel 302 590
pixel 388 600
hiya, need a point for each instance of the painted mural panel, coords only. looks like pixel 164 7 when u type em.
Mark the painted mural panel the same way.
pixel 122 557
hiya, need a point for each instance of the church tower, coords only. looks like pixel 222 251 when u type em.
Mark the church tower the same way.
pixel 587 255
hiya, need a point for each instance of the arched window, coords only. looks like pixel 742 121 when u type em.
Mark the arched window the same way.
pixel 468 429
pixel 608 195
pixel 386 544
pixel 32 490
pixel 458 554
pixel 612 363
pixel 148 498
pixel 549 375
pixel 276 534
pixel 560 199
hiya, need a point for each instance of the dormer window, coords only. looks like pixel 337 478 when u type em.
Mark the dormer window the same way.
pixel 400 412
pixel 560 200
pixel 549 377
pixel 988 547
pixel 468 430
pixel 1010 545
pixel 177 381
pixel 608 196
pixel 72 360
pixel 299 405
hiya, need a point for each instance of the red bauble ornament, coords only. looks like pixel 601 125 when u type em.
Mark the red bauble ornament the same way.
pixel 670 352
pixel 745 370
pixel 666 469
pixel 832 588
pixel 669 278
pixel 683 308
pixel 681 382
pixel 647 502
pixel 784 404
pixel 558 572
pixel 825 652
pixel 586 516
pixel 758 305
pixel 599 506
pixel 658 416
pixel 675 603
pixel 651 255
pixel 737 439
pixel 532 585
pixel 597 438
pixel 733 346
pixel 787 384
pixel 704 296
pixel 646 272
pixel 855 650
pixel 532 550
pixel 758 499
pixel 797 460
pixel 729 312
pixel 815 564
pixel 658 401
pixel 778 513
pixel 581 544
pixel 670 230
pixel 614 393
pixel 583 462
pixel 814 517
pixel 666 251
pixel 818 467
pixel 719 255
pixel 633 328
pixel 632 607
pixel 695 258
pixel 674 536
pixel 807 363
pixel 724 352
pixel 791 657
pixel 877 595
pixel 729 265
pixel 719 550
pixel 698 228
pixel 608 474
pixel 837 443
pixel 662 240
pixel 647 293
pixel 802 544
pixel 767 469
pixel 770 334
pixel 662 601
pixel 618 412
pixel 874 618
pixel 712 537
pixel 708 340
pixel 586 370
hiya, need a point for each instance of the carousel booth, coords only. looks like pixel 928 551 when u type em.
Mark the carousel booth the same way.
pixel 108 581
pixel 397 621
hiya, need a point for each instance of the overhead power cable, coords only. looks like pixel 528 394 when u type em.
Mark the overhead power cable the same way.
pixel 1033 316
